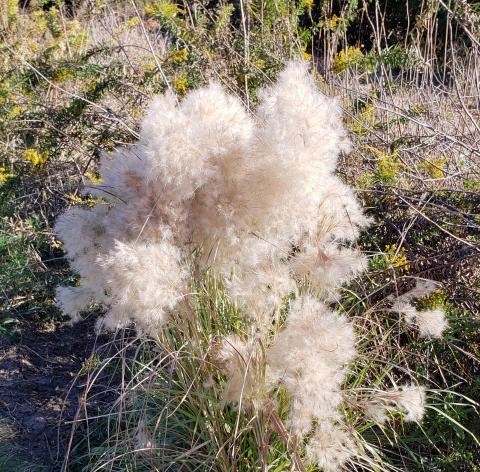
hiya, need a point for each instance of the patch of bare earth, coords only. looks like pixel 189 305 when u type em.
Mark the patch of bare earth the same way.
pixel 40 388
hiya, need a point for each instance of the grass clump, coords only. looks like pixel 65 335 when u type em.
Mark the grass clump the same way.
pixel 283 378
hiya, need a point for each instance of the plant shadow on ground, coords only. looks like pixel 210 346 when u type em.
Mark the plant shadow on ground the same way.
pixel 41 383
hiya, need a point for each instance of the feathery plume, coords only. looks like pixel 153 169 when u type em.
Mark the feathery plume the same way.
pixel 254 198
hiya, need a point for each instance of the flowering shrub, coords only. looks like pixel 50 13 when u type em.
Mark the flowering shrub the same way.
pixel 253 199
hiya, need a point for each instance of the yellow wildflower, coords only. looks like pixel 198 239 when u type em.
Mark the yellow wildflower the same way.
pixel 435 167
pixel 14 112
pixel 397 258
pixel 11 7
pixel 308 4
pixel 345 59
pixel 163 8
pixel 4 175
pixel 181 84
pixel 62 74
pixel 364 121
pixel 89 201
pixel 260 63
pixel 37 159
pixel 133 22
pixel 180 56
pixel 307 56
pixel 93 178
pixel 336 22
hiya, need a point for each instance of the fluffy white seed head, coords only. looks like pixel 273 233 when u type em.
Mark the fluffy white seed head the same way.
pixel 144 281
pixel 410 399
pixel 431 323
pixel 247 189
pixel 376 410
pixel 73 300
pixel 256 197
pixel 241 361
pixel 308 357
pixel 331 447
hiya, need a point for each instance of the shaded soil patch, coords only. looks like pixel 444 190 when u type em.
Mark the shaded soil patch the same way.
pixel 40 387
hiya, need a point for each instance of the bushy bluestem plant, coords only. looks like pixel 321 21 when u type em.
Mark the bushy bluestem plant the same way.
pixel 254 199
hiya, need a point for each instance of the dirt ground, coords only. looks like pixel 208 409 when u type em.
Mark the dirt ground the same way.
pixel 40 388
